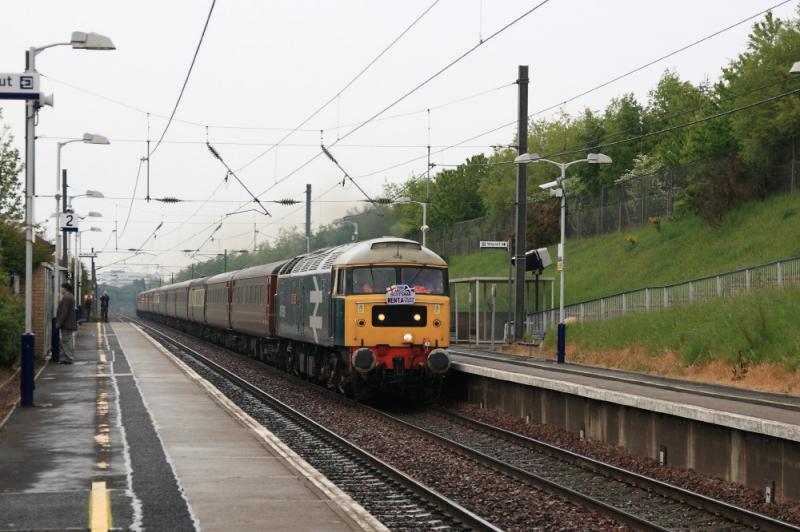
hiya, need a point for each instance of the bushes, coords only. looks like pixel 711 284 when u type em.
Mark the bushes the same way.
pixel 11 326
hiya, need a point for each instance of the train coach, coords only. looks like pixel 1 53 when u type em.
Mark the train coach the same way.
pixel 365 318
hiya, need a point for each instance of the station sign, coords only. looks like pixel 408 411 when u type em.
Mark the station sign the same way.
pixel 23 86
pixel 400 294
pixel 494 244
pixel 68 222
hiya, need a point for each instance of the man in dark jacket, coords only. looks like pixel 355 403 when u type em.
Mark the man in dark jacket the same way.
pixel 104 299
pixel 66 322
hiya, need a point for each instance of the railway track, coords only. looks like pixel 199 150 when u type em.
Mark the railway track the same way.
pixel 636 500
pixel 395 499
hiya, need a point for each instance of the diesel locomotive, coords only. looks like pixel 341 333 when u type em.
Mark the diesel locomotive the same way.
pixel 366 318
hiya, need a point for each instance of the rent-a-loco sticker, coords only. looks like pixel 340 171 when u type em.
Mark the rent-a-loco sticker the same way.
pixel 400 294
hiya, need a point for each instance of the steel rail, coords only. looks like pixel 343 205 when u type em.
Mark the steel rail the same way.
pixel 447 506
pixel 715 506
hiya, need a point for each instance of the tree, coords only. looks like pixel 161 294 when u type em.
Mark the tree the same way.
pixel 10 168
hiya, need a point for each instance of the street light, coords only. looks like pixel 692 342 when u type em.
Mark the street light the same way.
pixel 78 273
pixel 78 40
pixel 92 214
pixel 407 201
pixel 556 189
pixel 61 183
pixel 345 220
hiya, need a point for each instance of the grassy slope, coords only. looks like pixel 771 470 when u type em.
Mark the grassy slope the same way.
pixel 756 328
pixel 757 232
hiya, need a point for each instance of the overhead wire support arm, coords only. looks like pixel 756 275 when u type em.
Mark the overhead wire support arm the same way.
pixel 255 199
pixel 346 175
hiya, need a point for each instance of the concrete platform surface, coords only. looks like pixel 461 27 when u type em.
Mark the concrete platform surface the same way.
pixel 744 415
pixel 171 455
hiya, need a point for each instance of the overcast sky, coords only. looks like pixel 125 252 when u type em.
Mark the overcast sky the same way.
pixel 266 65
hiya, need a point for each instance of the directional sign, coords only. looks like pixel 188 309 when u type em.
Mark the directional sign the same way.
pixel 494 244
pixel 23 86
pixel 68 222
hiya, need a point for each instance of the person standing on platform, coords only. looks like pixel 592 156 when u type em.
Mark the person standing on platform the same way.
pixel 87 306
pixel 104 307
pixel 67 323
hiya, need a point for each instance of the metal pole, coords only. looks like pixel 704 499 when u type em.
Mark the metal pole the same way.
pixel 494 307
pixel 308 218
pixel 509 333
pixel 225 262
pixel 27 341
pixel 64 236
pixel 424 224
pixel 562 327
pixel 522 201
pixel 94 284
pixel 77 286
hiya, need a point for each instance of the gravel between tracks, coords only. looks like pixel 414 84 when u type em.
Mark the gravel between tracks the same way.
pixel 506 502
pixel 729 492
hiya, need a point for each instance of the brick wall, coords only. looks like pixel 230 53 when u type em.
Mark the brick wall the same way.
pixel 42 307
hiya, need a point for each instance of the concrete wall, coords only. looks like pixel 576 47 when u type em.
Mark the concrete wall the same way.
pixel 754 460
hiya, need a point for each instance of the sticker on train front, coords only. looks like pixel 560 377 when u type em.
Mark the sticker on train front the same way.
pixel 400 294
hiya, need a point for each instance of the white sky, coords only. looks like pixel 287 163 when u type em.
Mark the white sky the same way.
pixel 269 64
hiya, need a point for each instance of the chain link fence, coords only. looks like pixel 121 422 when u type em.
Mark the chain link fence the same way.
pixel 612 208
pixel 779 273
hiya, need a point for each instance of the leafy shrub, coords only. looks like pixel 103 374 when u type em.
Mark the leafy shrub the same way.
pixel 11 326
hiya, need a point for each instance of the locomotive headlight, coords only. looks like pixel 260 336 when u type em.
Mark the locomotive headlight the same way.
pixel 408 338
pixel 381 317
pixel 417 317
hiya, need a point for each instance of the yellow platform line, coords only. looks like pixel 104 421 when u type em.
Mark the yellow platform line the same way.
pixel 99 508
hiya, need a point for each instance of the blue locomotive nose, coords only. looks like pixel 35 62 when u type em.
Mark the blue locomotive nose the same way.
pixel 364 360
pixel 438 361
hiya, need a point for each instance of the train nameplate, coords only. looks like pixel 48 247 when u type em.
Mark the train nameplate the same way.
pixel 400 294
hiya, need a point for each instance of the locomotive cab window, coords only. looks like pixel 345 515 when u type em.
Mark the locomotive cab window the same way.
pixel 376 279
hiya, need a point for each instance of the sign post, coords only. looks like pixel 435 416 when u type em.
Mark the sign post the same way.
pixel 504 244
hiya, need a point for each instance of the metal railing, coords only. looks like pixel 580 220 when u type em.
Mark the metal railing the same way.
pixel 778 273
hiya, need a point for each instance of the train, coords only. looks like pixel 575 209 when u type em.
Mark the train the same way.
pixel 368 318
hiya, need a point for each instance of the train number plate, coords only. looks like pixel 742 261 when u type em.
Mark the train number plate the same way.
pixel 400 294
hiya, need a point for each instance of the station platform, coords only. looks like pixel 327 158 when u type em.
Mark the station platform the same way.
pixel 128 437
pixel 769 414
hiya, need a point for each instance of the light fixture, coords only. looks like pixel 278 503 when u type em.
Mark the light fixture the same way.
pixel 381 317
pixel 547 186
pixel 417 317
pixel 527 158
pixel 94 194
pixel 598 158
pixel 408 338
pixel 94 138
pixel 94 214
pixel 81 40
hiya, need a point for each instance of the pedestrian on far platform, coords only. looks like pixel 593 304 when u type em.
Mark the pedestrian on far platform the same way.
pixel 67 323
pixel 87 306
pixel 104 299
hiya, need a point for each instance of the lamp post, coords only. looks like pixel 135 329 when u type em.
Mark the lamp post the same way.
pixel 92 214
pixel 78 40
pixel 557 189
pixel 78 272
pixel 424 228
pixel 345 220
pixel 88 138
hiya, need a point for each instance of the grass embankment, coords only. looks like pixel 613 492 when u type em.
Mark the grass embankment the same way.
pixel 757 232
pixel 751 341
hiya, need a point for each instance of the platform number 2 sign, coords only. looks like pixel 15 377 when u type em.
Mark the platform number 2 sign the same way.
pixel 69 222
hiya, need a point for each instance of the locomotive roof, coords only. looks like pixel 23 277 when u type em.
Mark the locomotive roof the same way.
pixel 375 251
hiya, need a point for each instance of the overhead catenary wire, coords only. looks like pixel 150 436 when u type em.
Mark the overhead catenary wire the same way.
pixel 185 80
pixel 586 92
pixel 345 87
pixel 218 157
